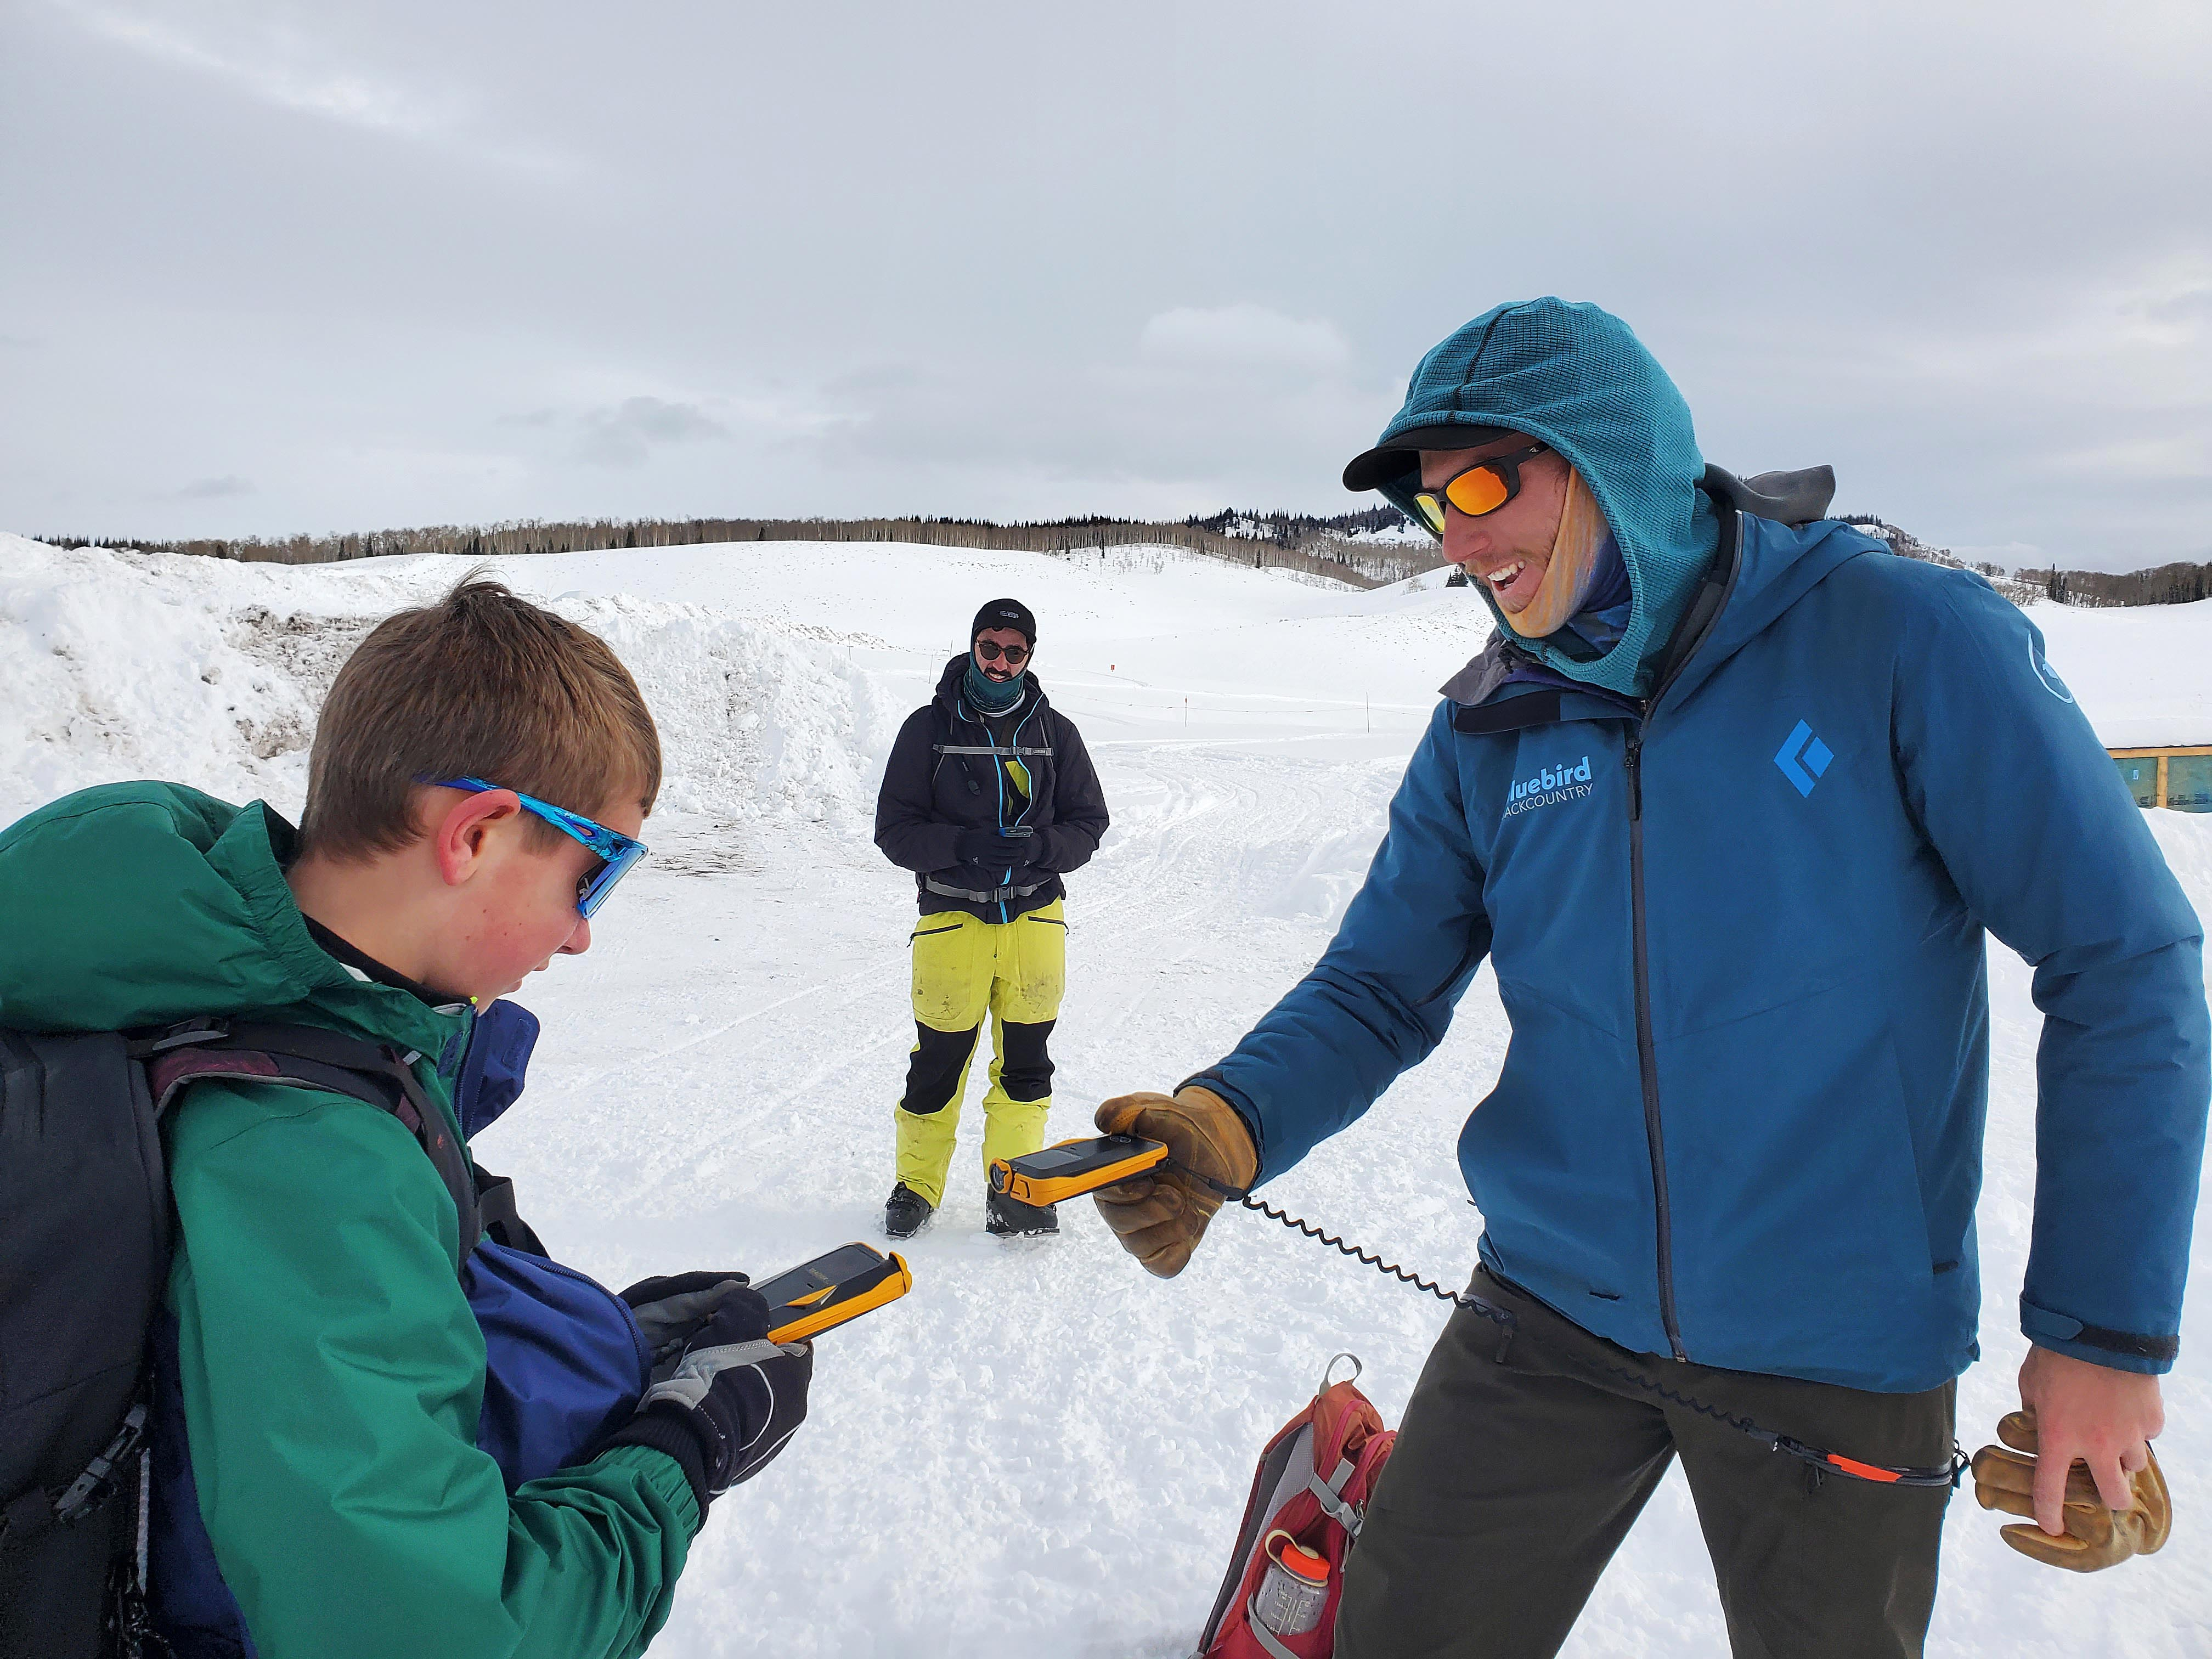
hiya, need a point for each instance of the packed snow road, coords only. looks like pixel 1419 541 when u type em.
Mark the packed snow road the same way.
pixel 1041 1450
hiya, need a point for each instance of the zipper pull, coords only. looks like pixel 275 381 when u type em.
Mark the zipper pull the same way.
pixel 1632 759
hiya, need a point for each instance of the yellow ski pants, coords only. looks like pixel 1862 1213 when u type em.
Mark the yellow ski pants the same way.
pixel 963 968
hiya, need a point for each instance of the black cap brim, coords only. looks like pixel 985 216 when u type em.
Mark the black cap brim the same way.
pixel 1386 462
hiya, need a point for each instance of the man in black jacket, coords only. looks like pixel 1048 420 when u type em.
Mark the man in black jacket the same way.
pixel 987 798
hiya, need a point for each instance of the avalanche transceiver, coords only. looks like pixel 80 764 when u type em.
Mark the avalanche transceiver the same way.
pixel 827 1292
pixel 1073 1168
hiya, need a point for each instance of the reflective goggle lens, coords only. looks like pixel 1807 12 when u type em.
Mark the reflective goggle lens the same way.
pixel 1478 490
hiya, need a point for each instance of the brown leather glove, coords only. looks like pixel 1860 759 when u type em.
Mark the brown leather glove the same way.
pixel 2095 1537
pixel 1160 1217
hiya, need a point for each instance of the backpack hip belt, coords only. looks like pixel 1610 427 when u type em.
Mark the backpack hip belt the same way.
pixel 996 896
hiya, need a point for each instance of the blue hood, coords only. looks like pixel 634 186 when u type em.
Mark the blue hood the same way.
pixel 1577 377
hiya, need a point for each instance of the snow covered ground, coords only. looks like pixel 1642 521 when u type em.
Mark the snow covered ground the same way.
pixel 1041 1450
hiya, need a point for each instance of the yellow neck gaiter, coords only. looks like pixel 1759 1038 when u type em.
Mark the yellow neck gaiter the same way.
pixel 1573 566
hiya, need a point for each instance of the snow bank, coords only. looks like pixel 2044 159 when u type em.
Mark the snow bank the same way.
pixel 125 665
pixel 113 668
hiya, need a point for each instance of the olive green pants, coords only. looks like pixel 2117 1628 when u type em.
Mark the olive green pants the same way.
pixel 1512 1484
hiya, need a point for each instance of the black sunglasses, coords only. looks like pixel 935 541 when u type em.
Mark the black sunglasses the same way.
pixel 1016 655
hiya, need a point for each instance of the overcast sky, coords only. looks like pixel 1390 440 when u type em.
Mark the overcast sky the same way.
pixel 272 267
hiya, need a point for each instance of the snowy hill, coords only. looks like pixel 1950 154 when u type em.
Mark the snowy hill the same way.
pixel 1905 542
pixel 1379 542
pixel 1043 1451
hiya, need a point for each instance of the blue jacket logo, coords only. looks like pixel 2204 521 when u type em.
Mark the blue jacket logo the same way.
pixel 1554 783
pixel 2045 672
pixel 1803 762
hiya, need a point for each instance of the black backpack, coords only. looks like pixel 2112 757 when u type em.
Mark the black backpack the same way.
pixel 85 1232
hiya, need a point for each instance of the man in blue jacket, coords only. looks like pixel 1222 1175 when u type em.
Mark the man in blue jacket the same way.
pixel 1728 801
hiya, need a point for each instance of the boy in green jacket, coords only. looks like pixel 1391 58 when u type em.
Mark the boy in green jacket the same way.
pixel 358 1452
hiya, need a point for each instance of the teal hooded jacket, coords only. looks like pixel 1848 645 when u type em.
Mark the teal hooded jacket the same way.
pixel 1738 924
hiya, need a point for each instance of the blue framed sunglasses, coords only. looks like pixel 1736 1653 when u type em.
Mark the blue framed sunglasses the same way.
pixel 616 851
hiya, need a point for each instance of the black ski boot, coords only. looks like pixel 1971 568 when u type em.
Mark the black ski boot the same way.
pixel 1009 1217
pixel 906 1212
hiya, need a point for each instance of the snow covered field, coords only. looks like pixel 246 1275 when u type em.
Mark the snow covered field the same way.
pixel 1041 1450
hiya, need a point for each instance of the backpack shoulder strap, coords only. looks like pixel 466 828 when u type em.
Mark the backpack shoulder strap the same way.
pixel 501 1222
pixel 301 1055
pixel 1345 1421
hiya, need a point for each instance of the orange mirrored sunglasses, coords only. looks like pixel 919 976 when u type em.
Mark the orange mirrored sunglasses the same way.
pixel 1483 487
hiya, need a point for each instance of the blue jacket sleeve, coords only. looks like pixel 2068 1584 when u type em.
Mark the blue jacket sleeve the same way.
pixel 2027 813
pixel 1381 997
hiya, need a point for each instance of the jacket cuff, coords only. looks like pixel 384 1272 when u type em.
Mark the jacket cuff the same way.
pixel 1245 1112
pixel 2121 1350
pixel 667 1428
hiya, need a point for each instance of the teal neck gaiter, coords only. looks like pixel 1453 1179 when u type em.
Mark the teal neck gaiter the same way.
pixel 1648 604
pixel 992 697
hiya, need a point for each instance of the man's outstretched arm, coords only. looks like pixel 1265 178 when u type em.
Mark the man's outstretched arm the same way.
pixel 1376 1003
pixel 1382 996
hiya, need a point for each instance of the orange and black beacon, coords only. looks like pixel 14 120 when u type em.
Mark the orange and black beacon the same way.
pixel 819 1295
pixel 1074 1168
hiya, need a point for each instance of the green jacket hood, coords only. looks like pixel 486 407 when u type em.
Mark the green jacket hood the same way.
pixel 137 905
pixel 1579 378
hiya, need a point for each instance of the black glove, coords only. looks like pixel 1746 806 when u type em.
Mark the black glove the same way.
pixel 731 1403
pixel 995 849
pixel 671 1310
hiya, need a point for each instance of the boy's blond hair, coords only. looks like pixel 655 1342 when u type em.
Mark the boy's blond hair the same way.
pixel 481 685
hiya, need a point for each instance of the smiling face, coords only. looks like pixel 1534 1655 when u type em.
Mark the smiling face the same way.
pixel 1508 549
pixel 998 669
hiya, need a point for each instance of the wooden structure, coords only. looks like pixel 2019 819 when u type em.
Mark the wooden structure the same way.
pixel 2177 776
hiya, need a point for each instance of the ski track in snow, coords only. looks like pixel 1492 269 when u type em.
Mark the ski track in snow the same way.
pixel 1042 1448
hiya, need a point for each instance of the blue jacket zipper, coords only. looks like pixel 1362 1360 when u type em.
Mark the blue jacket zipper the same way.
pixel 1647 1059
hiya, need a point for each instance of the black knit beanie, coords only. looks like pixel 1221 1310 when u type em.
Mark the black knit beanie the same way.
pixel 1006 613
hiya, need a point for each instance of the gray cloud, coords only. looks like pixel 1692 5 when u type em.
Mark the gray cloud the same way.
pixel 1242 339
pixel 626 434
pixel 2188 307
pixel 216 489
pixel 269 61
pixel 1964 255
pixel 323 69
pixel 1162 421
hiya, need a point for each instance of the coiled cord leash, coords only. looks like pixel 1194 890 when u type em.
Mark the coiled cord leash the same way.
pixel 1474 1305
pixel 1819 1461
